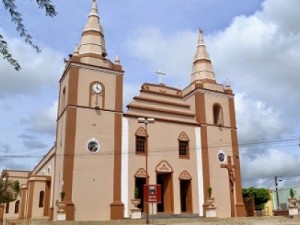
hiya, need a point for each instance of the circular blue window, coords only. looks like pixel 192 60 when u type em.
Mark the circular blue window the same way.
pixel 221 157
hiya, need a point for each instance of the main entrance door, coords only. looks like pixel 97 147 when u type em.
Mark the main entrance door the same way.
pixel 166 205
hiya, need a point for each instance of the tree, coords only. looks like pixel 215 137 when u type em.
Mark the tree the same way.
pixel 9 190
pixel 261 196
pixel 16 18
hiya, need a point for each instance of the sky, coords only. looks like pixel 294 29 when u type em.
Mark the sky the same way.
pixel 255 45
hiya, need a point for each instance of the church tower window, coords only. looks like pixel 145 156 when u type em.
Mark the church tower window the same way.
pixel 183 141
pixel 141 141
pixel 218 115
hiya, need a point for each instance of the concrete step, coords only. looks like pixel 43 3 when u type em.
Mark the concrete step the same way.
pixel 171 216
pixel 179 221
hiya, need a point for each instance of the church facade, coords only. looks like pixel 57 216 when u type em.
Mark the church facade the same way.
pixel 182 139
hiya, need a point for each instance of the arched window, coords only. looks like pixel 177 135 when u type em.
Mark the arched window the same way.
pixel 218 115
pixel 183 145
pixel 141 141
pixel 17 206
pixel 41 199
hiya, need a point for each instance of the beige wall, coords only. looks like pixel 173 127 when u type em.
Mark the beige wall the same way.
pixel 93 172
pixel 163 145
pixel 222 100
pixel 219 140
pixel 38 185
pixel 107 79
pixel 46 168
pixel 57 181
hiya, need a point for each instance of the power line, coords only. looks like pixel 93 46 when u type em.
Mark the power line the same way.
pixel 289 142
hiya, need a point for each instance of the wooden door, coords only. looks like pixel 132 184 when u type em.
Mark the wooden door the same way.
pixel 165 180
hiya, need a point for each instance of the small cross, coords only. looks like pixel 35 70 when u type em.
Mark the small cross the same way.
pixel 160 74
pixel 227 82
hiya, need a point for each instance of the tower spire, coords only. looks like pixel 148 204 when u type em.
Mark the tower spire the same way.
pixel 92 38
pixel 202 66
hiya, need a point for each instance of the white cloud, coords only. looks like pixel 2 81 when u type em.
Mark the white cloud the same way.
pixel 39 70
pixel 270 163
pixel 130 90
pixel 256 120
pixel 12 162
pixel 4 148
pixel 259 58
pixel 18 159
pixel 284 14
pixel 42 121
pixel 172 52
pixel 31 141
pixel 25 101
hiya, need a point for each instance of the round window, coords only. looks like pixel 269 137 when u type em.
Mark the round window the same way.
pixel 221 157
pixel 93 145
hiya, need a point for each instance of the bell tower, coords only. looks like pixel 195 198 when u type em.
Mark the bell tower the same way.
pixel 215 113
pixel 89 124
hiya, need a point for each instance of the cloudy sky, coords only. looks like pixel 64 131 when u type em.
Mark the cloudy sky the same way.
pixel 254 44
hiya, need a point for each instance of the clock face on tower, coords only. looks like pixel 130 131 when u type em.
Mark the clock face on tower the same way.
pixel 97 88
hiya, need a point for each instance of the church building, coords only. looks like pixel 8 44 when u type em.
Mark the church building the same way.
pixel 185 140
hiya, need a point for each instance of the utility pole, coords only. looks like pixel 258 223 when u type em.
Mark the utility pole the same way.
pixel 276 189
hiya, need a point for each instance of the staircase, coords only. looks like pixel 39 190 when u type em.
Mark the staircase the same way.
pixel 178 220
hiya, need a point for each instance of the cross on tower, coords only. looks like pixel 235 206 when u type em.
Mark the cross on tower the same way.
pixel 230 168
pixel 160 74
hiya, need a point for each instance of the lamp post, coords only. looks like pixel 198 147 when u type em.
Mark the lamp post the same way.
pixel 276 189
pixel 146 121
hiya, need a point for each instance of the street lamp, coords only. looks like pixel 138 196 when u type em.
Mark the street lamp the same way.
pixel 145 121
pixel 276 185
